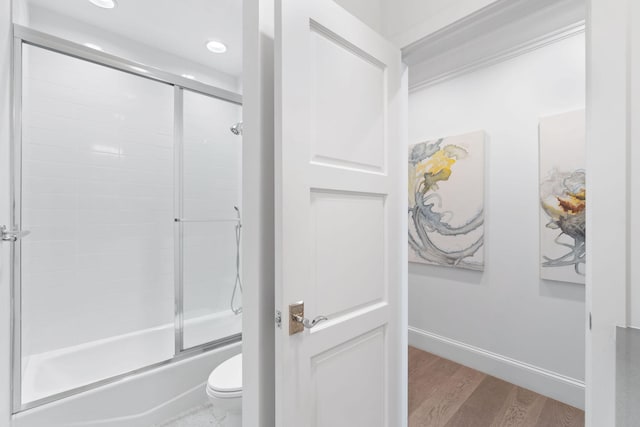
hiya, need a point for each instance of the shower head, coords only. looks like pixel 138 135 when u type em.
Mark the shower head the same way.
pixel 236 129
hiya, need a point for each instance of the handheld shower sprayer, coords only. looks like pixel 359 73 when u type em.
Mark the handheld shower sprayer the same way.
pixel 237 286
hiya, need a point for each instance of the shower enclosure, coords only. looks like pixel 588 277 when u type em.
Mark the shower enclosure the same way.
pixel 128 181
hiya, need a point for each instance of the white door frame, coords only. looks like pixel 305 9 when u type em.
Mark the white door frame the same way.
pixel 608 214
pixel 258 346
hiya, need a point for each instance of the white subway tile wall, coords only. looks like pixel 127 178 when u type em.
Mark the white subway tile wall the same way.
pixel 97 196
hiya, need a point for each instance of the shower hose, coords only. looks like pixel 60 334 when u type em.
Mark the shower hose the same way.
pixel 237 286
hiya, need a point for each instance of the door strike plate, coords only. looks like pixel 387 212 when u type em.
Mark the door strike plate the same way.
pixel 296 309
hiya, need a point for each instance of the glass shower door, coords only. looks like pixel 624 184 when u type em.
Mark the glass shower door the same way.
pixel 211 220
pixel 97 194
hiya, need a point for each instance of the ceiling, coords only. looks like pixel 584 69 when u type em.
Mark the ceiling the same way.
pixel 179 27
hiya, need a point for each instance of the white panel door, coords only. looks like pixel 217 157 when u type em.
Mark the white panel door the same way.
pixel 340 219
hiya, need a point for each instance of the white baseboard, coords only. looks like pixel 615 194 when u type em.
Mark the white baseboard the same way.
pixel 556 386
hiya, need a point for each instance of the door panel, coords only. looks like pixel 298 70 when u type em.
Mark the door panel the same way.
pixel 340 226
pixel 349 380
pixel 356 139
pixel 343 265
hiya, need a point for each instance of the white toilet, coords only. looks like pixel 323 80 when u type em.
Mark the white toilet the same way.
pixel 224 389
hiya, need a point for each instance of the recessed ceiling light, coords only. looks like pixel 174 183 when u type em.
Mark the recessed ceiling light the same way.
pixel 188 76
pixel 139 69
pixel 105 4
pixel 93 46
pixel 216 46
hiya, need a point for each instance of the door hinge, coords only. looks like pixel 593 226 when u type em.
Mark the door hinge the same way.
pixel 278 318
pixel 590 322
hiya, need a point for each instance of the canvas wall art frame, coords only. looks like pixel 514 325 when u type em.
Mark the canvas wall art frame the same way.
pixel 562 148
pixel 446 201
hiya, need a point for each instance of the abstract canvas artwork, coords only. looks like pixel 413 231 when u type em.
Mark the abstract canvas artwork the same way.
pixel 446 201
pixel 562 197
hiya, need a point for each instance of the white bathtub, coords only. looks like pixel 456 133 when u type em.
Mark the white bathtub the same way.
pixel 139 400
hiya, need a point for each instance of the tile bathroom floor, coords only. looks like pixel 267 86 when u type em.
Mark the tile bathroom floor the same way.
pixel 202 416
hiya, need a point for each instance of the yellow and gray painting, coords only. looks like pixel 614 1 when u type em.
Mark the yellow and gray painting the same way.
pixel 446 206
pixel 563 197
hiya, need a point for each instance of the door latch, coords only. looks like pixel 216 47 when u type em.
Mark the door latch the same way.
pixel 297 321
pixel 7 235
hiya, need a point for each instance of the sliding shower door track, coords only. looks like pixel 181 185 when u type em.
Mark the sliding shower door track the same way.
pixel 57 44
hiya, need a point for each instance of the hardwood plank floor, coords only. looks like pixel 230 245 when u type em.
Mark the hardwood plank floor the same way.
pixel 445 394
pixel 447 399
pixel 483 405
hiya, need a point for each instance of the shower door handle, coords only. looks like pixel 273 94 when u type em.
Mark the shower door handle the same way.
pixel 7 235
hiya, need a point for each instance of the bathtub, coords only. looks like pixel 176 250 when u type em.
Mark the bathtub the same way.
pixel 139 400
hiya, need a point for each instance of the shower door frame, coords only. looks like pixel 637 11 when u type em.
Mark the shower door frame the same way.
pixel 26 36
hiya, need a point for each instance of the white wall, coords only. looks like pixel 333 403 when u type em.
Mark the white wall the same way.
pixel 406 21
pixel 505 320
pixel 368 11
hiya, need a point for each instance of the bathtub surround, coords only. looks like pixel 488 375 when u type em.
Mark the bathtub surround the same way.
pixel 505 321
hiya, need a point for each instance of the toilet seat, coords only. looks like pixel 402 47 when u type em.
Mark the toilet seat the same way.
pixel 225 381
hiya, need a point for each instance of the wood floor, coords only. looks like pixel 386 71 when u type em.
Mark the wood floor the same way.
pixel 445 394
